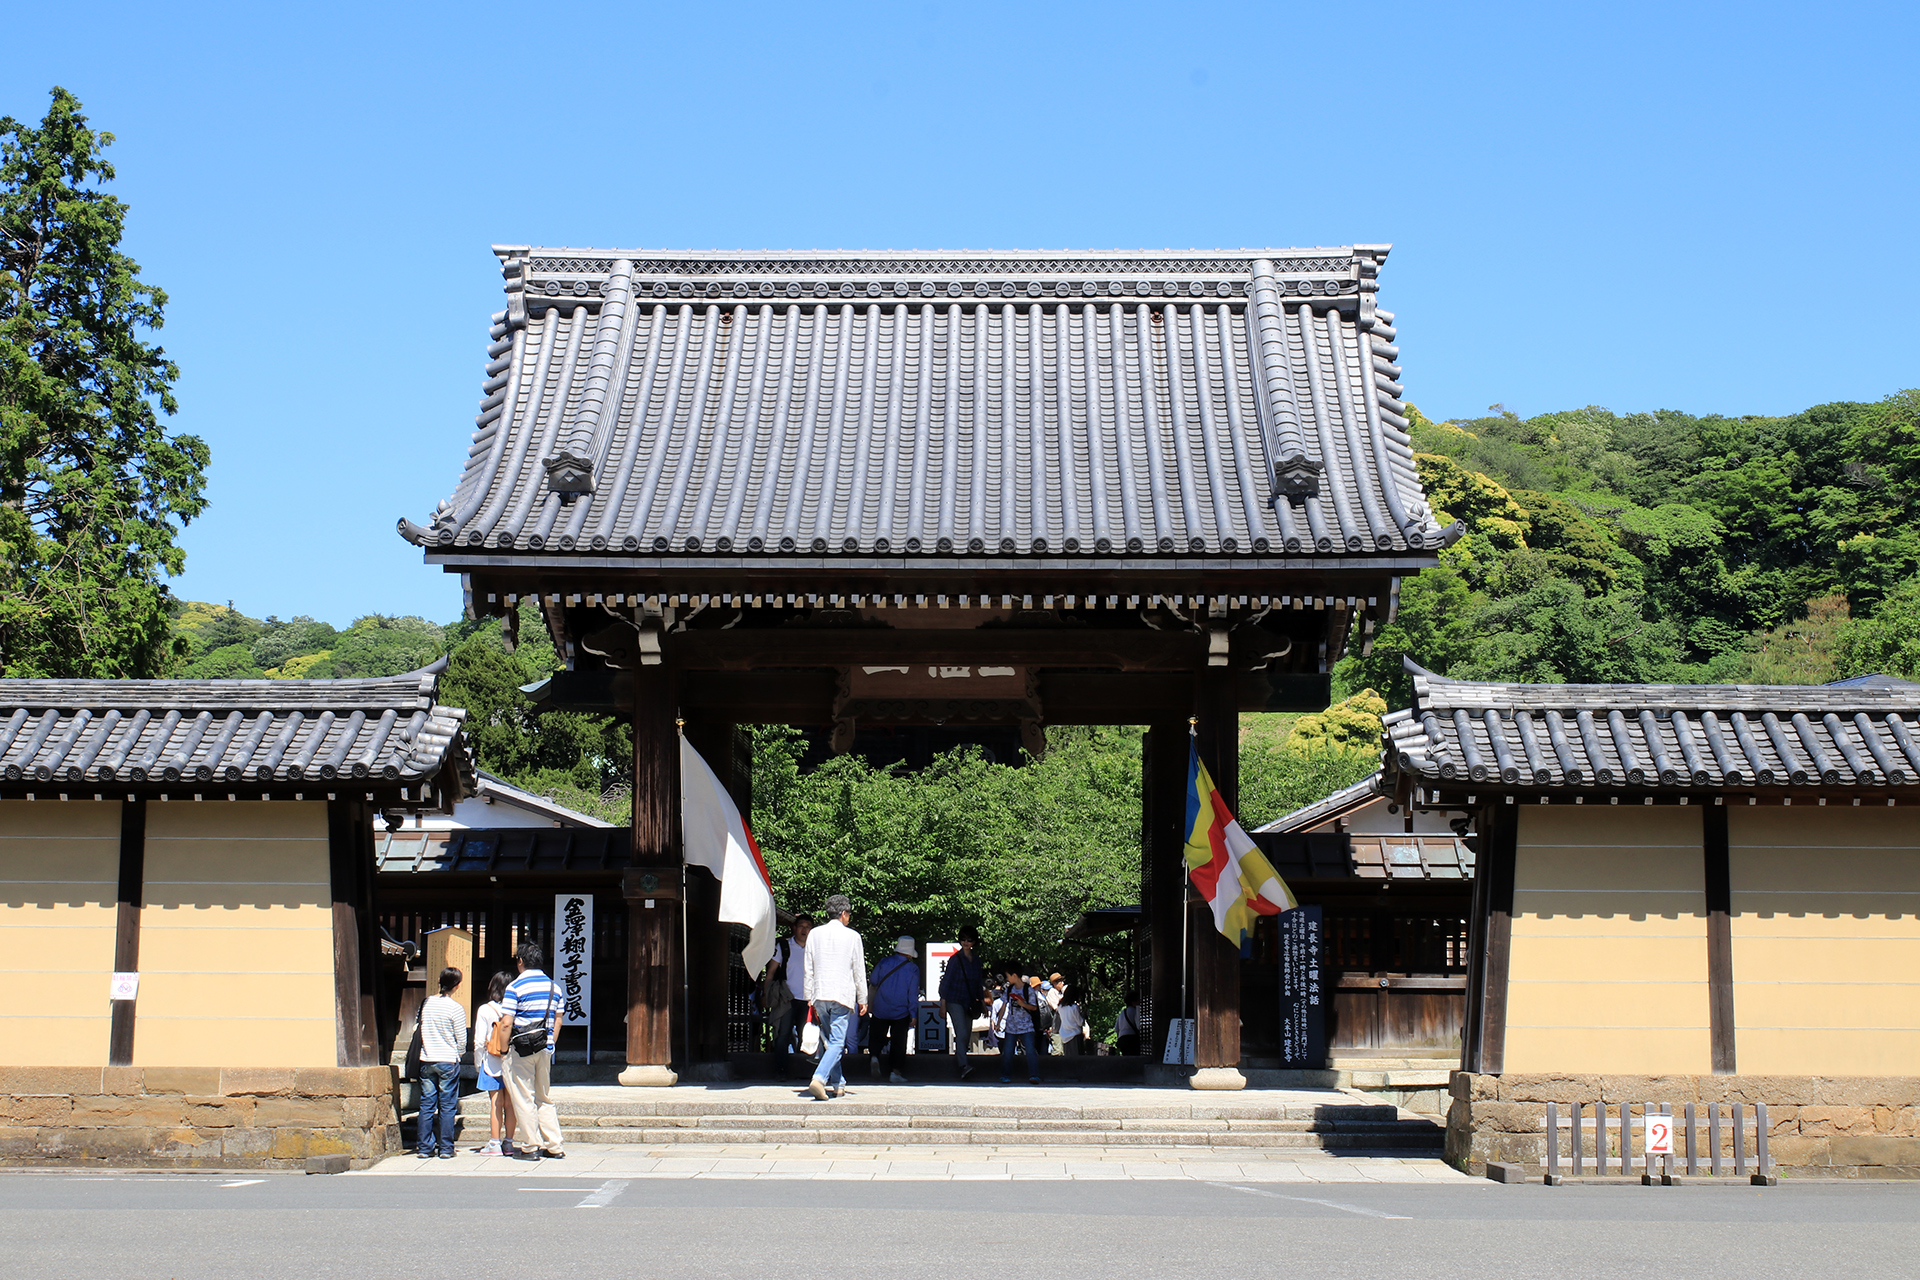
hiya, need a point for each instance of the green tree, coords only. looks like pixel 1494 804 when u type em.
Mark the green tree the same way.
pixel 378 645
pixel 1888 642
pixel 93 490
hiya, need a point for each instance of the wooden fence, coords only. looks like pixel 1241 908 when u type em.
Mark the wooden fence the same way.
pixel 1617 1132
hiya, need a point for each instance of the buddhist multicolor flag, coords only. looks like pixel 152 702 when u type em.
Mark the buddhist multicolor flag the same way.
pixel 1224 863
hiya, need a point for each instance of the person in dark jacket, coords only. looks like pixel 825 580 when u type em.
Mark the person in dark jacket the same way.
pixel 896 998
pixel 960 988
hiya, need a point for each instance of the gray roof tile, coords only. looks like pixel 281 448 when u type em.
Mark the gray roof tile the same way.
pixel 640 403
pixel 147 734
pixel 1614 737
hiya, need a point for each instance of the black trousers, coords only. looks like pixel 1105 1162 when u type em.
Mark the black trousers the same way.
pixel 889 1035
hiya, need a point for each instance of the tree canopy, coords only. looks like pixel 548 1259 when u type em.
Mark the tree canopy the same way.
pixel 93 489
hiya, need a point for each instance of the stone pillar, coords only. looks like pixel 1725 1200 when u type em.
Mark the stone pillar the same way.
pixel 1216 961
pixel 655 988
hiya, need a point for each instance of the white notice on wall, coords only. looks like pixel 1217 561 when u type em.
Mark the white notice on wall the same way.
pixel 1179 1043
pixel 573 960
pixel 1659 1130
pixel 126 986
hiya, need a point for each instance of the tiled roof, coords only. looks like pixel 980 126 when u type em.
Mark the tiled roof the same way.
pixel 1343 801
pixel 1230 405
pixel 1622 736
pixel 495 849
pixel 1334 856
pixel 149 734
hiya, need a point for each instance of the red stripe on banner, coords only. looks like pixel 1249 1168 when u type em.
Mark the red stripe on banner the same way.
pixel 1207 878
pixel 753 847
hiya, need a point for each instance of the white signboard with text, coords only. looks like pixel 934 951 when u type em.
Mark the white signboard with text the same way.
pixel 573 960
pixel 938 953
pixel 1659 1131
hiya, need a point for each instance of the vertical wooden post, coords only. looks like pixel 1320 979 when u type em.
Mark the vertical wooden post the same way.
pixel 1493 923
pixel 1216 961
pixel 1719 886
pixel 652 885
pixel 344 847
pixel 707 937
pixel 366 912
pixel 1162 875
pixel 126 937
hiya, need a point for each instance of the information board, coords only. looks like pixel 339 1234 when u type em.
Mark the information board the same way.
pixel 573 960
pixel 1303 1013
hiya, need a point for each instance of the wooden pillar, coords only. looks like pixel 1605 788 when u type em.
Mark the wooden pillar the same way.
pixel 126 938
pixel 1486 1034
pixel 707 949
pixel 372 999
pixel 652 886
pixel 1216 961
pixel 1719 885
pixel 1163 883
pixel 344 848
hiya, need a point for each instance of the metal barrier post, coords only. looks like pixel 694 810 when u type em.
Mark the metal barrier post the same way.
pixel 1626 1139
pixel 1577 1109
pixel 1553 1144
pixel 1764 1172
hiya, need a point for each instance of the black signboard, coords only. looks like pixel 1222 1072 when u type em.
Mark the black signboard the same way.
pixel 1303 1013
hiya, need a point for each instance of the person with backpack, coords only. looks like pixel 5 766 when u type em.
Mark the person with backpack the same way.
pixel 960 986
pixel 783 993
pixel 895 988
pixel 532 1004
pixel 490 1066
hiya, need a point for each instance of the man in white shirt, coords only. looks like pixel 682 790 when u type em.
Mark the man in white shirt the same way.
pixel 790 956
pixel 836 985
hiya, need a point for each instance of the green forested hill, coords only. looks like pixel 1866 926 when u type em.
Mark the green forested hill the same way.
pixel 1665 547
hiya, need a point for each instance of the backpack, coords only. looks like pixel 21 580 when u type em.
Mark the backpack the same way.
pixel 775 994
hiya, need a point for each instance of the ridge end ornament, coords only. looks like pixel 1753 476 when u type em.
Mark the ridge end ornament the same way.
pixel 1297 477
pixel 568 475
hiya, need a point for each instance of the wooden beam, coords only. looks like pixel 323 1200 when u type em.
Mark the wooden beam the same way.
pixel 1719 886
pixel 1493 902
pixel 1135 650
pixel 126 935
pixel 1162 877
pixel 343 846
pixel 1216 960
pixel 654 980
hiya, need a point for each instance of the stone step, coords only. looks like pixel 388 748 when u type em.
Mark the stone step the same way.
pixel 833 1118
pixel 1426 1142
pixel 853 1105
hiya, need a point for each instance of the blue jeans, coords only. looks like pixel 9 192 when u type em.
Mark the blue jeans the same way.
pixel 833 1019
pixel 1007 1041
pixel 962 1024
pixel 439 1104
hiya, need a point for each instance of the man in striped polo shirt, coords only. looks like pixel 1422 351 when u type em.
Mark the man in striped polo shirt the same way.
pixel 532 1003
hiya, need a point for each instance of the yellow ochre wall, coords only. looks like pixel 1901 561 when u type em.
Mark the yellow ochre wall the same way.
pixel 1609 955
pixel 236 941
pixel 1826 940
pixel 59 881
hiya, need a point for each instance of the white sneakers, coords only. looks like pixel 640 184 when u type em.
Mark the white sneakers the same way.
pixel 818 1088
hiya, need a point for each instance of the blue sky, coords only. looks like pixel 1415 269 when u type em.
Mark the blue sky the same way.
pixel 1691 206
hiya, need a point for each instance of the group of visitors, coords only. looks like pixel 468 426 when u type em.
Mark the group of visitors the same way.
pixel 817 993
pixel 512 1039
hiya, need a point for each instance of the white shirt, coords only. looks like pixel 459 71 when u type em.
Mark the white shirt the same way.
pixel 483 1019
pixel 836 965
pixel 796 967
pixel 1072 1021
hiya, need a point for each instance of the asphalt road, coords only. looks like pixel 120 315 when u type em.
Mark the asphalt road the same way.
pixel 56 1225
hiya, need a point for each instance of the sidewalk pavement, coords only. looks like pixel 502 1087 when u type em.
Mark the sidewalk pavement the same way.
pixel 1010 1163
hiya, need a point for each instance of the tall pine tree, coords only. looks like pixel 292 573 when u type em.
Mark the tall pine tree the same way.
pixel 93 490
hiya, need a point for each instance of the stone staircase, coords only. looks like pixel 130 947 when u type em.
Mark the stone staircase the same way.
pixel 1295 1121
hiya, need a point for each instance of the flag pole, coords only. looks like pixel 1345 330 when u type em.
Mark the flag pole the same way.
pixel 1186 898
pixel 686 976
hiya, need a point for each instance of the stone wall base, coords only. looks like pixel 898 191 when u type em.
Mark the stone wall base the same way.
pixel 196 1117
pixel 1817 1126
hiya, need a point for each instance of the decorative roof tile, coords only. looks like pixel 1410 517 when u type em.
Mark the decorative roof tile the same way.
pixel 147 735
pixel 1227 405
